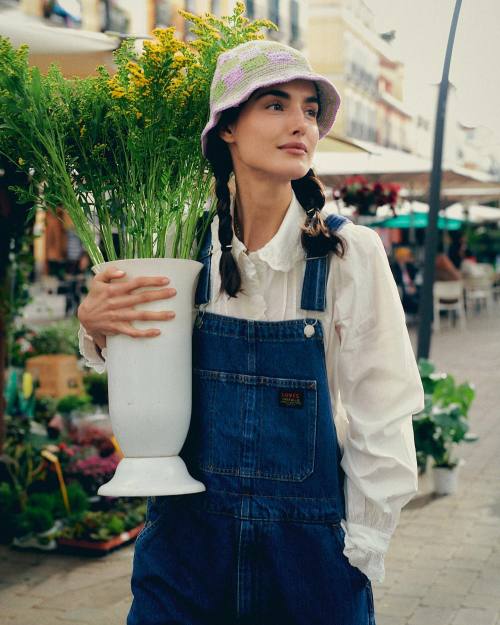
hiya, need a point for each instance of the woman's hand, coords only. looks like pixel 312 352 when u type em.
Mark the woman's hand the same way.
pixel 108 309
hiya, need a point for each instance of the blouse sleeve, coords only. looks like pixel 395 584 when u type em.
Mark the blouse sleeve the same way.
pixel 377 378
pixel 89 352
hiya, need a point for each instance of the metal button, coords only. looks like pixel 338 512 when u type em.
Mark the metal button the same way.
pixel 309 330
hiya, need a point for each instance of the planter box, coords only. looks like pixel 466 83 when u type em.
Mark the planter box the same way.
pixel 100 547
pixel 58 375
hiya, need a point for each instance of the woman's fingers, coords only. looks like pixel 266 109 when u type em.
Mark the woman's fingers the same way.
pixel 146 315
pixel 127 301
pixel 109 274
pixel 129 330
pixel 137 283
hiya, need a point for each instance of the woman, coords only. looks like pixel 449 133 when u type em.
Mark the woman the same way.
pixel 302 497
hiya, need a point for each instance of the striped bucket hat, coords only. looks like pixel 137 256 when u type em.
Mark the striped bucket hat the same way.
pixel 261 63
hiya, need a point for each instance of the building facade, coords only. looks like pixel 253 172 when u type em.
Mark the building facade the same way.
pixel 343 44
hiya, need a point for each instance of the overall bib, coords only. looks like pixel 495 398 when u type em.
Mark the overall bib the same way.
pixel 263 545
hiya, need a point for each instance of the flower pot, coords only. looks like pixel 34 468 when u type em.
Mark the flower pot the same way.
pixel 445 480
pixel 149 387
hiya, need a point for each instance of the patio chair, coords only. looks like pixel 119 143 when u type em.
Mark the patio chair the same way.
pixel 449 296
pixel 479 291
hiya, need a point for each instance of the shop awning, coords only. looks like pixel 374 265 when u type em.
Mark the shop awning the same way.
pixel 77 52
pixel 417 220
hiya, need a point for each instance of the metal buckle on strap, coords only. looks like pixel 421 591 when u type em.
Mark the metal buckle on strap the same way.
pixel 209 253
pixel 198 322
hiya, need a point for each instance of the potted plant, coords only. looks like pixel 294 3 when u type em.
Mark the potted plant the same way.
pixel 122 155
pixel 366 197
pixel 442 425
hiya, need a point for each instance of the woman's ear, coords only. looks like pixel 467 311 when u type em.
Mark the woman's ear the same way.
pixel 226 134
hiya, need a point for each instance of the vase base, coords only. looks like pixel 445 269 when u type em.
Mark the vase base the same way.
pixel 144 477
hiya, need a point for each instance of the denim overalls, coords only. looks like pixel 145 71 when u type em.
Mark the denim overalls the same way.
pixel 263 545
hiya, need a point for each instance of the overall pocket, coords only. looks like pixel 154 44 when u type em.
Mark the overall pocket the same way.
pixel 155 510
pixel 254 426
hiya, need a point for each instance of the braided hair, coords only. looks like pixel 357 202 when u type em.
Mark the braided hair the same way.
pixel 316 238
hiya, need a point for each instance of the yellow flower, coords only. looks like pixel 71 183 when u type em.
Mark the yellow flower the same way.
pixel 21 161
pixel 138 114
pixel 119 92
pixel 27 385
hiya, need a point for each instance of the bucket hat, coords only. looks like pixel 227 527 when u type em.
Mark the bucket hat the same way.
pixel 260 63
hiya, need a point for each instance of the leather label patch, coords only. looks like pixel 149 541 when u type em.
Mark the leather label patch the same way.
pixel 291 399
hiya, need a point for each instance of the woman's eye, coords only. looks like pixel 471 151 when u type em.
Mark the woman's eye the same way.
pixel 313 111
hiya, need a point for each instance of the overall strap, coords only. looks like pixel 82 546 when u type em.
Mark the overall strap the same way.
pixel 202 295
pixel 316 272
pixel 315 276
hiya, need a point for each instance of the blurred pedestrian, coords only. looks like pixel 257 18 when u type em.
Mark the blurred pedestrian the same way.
pixel 405 273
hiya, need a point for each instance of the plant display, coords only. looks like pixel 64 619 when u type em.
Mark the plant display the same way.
pixel 103 525
pixel 121 153
pixel 444 421
pixel 366 196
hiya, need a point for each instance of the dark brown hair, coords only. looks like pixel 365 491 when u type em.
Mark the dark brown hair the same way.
pixel 316 238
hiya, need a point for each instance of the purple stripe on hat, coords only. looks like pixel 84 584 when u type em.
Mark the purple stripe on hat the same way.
pixel 280 56
pixel 233 77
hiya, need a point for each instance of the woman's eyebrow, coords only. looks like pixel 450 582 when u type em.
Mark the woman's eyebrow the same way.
pixel 284 95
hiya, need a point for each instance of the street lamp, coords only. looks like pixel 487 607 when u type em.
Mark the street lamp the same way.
pixel 431 236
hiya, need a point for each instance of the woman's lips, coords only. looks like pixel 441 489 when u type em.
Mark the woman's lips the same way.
pixel 294 150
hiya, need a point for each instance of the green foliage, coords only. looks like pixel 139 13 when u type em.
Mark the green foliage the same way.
pixel 68 403
pixel 444 421
pixel 45 409
pixel 34 519
pixel 103 525
pixel 40 510
pixel 96 386
pixel 484 243
pixel 57 338
pixel 122 151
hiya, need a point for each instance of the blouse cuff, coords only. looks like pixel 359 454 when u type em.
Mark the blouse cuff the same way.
pixel 365 548
pixel 89 351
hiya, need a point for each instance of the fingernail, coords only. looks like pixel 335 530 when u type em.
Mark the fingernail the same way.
pixel 119 272
pixel 165 280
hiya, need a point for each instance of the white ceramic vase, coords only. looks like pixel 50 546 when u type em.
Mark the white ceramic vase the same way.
pixel 149 385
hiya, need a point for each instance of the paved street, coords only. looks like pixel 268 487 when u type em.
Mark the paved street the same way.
pixel 443 565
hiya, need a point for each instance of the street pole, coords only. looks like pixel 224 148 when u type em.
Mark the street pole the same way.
pixel 431 235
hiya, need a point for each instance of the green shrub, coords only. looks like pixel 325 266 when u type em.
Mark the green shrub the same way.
pixel 69 403
pixel 96 385
pixel 58 338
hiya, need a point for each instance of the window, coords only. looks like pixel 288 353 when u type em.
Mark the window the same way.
pixel 250 9
pixel 215 7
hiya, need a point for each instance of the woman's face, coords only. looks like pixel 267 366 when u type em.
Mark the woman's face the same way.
pixel 271 118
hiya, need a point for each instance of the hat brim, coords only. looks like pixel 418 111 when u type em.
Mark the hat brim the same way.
pixel 329 99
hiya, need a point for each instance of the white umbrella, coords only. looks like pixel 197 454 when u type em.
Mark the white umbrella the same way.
pixel 475 213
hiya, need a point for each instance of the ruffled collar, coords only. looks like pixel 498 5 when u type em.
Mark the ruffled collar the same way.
pixel 283 250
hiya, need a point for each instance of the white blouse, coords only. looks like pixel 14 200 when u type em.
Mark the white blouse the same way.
pixel 373 377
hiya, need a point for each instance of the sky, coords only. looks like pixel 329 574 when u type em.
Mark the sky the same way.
pixel 422 28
